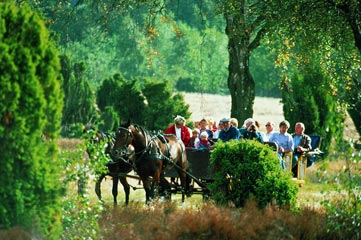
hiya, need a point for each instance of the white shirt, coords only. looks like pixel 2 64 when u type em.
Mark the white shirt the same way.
pixel 178 132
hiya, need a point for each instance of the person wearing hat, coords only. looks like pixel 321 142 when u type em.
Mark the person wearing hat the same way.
pixel 229 131
pixel 179 129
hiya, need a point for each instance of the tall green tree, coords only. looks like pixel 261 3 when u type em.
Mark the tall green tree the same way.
pixel 307 102
pixel 30 113
pixel 162 105
pixel 79 101
pixel 124 96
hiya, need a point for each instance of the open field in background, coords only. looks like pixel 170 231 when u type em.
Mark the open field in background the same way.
pixel 217 107
pixel 265 109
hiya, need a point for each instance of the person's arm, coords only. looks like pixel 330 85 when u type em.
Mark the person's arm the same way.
pixel 290 144
pixel 169 130
pixel 259 137
pixel 187 135
pixel 306 144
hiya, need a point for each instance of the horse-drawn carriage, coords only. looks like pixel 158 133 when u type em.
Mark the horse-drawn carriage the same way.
pixel 164 165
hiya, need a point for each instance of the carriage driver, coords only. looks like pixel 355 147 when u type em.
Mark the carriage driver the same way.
pixel 179 129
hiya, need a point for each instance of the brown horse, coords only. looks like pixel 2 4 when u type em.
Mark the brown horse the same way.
pixel 154 154
pixel 117 168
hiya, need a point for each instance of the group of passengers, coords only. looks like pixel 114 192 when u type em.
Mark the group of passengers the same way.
pixel 205 134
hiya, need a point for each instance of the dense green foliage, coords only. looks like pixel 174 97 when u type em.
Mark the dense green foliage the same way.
pixel 152 105
pixel 328 33
pixel 162 105
pixel 30 113
pixel 79 101
pixel 247 169
pixel 307 102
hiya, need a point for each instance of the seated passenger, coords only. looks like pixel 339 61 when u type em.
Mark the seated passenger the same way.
pixel 179 129
pixel 234 122
pixel 269 131
pixel 302 143
pixel 203 124
pixel 229 132
pixel 284 141
pixel 194 138
pixel 250 131
pixel 216 133
pixel 203 143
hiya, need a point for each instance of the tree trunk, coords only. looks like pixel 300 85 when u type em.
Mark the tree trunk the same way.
pixel 353 18
pixel 240 82
pixel 354 105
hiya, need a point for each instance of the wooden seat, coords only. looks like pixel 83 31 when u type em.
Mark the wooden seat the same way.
pixel 308 158
pixel 287 160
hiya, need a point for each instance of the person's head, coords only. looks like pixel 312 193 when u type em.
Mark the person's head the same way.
pixel 234 122
pixel 220 125
pixel 204 136
pixel 195 132
pixel 284 125
pixel 203 124
pixel 226 123
pixel 248 122
pixel 179 121
pixel 299 128
pixel 270 126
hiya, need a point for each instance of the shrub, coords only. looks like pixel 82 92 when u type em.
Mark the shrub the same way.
pixel 248 169
pixel 30 113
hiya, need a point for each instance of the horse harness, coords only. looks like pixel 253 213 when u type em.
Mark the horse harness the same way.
pixel 149 153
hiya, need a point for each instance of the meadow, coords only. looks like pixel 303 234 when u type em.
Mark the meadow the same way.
pixel 316 215
pixel 196 219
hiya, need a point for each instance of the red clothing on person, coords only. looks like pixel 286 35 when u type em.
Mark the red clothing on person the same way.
pixel 186 136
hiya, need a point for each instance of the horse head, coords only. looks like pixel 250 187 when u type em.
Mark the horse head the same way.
pixel 123 139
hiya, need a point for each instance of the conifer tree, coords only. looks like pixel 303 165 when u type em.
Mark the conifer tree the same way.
pixel 30 113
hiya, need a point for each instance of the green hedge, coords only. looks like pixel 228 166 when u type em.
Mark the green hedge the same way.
pixel 248 169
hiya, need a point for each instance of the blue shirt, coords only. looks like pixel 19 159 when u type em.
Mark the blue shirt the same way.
pixel 229 134
pixel 283 140
pixel 296 140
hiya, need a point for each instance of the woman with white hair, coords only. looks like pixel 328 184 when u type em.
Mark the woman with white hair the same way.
pixel 179 129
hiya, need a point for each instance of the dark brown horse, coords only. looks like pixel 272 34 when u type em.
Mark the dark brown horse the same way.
pixel 117 168
pixel 154 154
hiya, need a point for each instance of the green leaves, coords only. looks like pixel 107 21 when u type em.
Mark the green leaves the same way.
pixel 248 169
pixel 30 111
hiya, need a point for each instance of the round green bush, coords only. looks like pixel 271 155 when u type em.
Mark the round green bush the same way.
pixel 248 169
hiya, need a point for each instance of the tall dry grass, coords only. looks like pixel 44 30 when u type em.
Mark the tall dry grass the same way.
pixel 166 221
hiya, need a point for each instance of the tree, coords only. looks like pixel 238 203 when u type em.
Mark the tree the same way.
pixel 162 105
pixel 124 96
pixel 328 30
pixel 307 102
pixel 30 112
pixel 79 102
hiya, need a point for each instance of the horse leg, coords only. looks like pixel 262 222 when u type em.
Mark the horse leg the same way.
pixel 124 182
pixel 97 186
pixel 115 189
pixel 156 181
pixel 147 188
pixel 185 182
